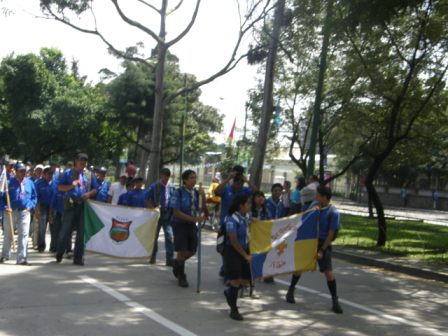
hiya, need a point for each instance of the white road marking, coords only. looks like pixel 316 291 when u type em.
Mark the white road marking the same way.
pixel 370 310
pixel 137 307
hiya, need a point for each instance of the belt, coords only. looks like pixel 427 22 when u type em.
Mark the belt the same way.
pixel 20 209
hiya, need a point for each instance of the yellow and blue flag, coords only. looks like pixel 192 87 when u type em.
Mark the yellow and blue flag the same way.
pixel 284 245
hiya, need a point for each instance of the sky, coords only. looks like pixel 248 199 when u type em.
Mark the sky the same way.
pixel 205 50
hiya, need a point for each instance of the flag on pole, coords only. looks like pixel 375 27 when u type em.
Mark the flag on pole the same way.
pixel 232 133
pixel 284 245
pixel 119 231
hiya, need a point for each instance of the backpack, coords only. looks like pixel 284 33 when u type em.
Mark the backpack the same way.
pixel 221 239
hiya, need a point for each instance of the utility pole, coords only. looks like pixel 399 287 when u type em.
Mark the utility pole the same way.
pixel 319 89
pixel 268 105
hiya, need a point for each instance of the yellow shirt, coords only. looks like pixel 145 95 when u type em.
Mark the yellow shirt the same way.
pixel 211 192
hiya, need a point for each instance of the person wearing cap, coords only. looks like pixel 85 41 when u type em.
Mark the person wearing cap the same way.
pixel 23 197
pixel 44 190
pixel 329 224
pixel 9 167
pixel 117 189
pixel 103 185
pixel 78 185
pixel 136 197
pixel 229 191
pixel 158 196
pixel 37 173
pixel 55 218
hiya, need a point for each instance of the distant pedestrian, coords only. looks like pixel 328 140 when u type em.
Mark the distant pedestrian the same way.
pixel 329 224
pixel 296 205
pixel 44 190
pixel 286 197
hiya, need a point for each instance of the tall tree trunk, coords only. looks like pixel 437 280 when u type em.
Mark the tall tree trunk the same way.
pixel 321 157
pixel 320 86
pixel 159 104
pixel 370 206
pixel 268 104
pixel 373 195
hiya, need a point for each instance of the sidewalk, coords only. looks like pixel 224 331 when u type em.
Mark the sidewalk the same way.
pixel 429 216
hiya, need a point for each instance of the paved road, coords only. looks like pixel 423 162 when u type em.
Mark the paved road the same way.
pixel 122 297
pixel 426 215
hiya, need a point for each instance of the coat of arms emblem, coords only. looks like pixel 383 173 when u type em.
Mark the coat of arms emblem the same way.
pixel 119 232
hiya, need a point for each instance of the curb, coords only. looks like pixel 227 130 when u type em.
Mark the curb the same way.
pixel 417 272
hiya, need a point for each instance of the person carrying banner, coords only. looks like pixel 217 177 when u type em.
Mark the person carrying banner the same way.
pixel 78 185
pixel 44 190
pixel 329 224
pixel 22 196
pixel 236 253
pixel 124 198
pixel 136 197
pixel 186 213
pixel 158 196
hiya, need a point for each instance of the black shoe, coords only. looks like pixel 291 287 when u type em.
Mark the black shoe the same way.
pixel 78 262
pixel 235 314
pixel 290 296
pixel 41 250
pixel 269 280
pixel 336 307
pixel 69 255
pixel 58 257
pixel 152 261
pixel 2 260
pixel 183 281
pixel 24 263
pixel 170 263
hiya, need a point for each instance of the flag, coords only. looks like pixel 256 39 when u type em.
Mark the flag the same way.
pixel 232 133
pixel 119 231
pixel 284 245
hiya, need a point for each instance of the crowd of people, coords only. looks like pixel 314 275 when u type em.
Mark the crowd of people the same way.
pixel 54 196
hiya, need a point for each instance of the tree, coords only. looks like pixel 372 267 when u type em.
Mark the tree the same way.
pixel 255 12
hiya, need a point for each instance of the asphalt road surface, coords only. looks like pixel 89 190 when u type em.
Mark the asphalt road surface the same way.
pixel 130 297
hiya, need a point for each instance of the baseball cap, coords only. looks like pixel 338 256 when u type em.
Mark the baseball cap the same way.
pixel 82 156
pixel 102 169
pixel 39 166
pixel 20 166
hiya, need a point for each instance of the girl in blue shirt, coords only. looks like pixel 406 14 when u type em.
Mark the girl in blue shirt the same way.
pixel 236 254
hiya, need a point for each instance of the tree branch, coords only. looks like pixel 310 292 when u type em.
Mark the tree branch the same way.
pixel 188 28
pixel 176 7
pixel 149 5
pixel 135 23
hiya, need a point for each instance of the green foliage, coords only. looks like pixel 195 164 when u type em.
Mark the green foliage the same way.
pixel 411 239
pixel 47 113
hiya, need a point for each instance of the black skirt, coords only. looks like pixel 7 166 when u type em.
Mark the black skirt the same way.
pixel 236 267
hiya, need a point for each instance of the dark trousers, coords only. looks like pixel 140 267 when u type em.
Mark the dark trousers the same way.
pixel 43 223
pixel 165 223
pixel 73 216
pixel 55 228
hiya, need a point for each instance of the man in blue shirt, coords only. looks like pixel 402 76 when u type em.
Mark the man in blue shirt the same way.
pixel 158 196
pixel 44 191
pixel 229 191
pixel 124 198
pixel 57 209
pixel 136 197
pixel 103 185
pixel 23 197
pixel 329 224
pixel 78 185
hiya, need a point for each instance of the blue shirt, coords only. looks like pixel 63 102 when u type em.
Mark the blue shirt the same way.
pixel 275 210
pixel 44 191
pixel 76 193
pixel 227 194
pixel 103 189
pixel 164 195
pixel 22 195
pixel 260 214
pixel 136 198
pixel 124 199
pixel 182 200
pixel 329 219
pixel 57 201
pixel 237 224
